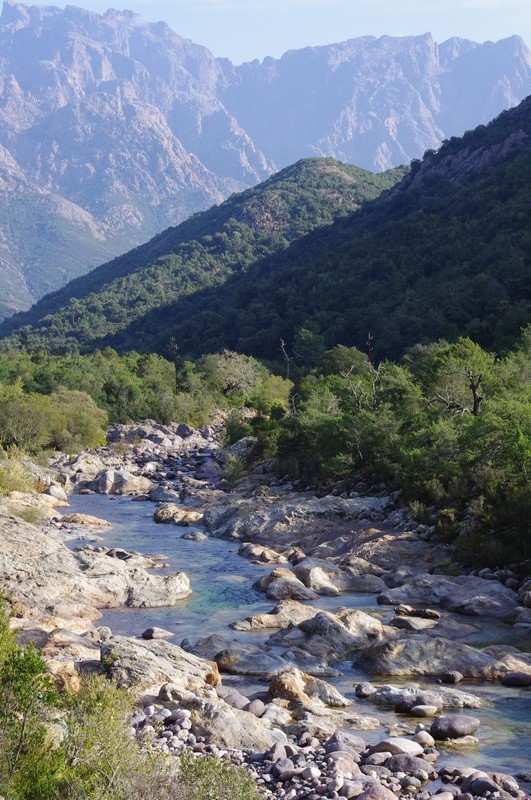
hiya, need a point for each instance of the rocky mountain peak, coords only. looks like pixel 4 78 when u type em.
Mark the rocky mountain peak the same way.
pixel 139 127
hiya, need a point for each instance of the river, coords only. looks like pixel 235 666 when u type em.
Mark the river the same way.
pixel 222 593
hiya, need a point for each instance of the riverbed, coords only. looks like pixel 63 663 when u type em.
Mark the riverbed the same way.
pixel 222 593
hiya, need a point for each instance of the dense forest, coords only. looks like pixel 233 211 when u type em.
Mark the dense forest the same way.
pixel 449 426
pixel 205 251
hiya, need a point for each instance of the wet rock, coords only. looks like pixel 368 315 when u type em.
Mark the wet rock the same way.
pixel 156 633
pixel 195 536
pixel 454 726
pixel 452 677
pixel 517 679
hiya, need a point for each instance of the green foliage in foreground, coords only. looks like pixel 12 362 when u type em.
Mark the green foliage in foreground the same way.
pixel 80 747
pixel 450 427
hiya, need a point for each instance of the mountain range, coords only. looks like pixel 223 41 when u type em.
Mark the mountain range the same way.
pixel 113 128
pixel 442 252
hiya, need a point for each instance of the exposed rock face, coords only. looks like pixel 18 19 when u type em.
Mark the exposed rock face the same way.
pixel 39 572
pixel 114 128
pixel 465 594
pixel 436 656
pixel 145 664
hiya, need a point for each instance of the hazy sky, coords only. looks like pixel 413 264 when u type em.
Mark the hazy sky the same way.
pixel 247 29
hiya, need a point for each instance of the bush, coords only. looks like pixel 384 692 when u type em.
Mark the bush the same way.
pixel 80 422
pixel 31 514
pixel 14 476
pixel 209 778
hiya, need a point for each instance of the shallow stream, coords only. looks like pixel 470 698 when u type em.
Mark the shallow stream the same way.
pixel 222 593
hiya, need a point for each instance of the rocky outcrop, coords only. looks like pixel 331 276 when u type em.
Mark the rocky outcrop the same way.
pixel 418 655
pixel 40 574
pixel 465 594
pixel 147 665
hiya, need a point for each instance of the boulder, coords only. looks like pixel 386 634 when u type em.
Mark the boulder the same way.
pixel 377 792
pixel 407 696
pixel 465 594
pixel 296 686
pixel 409 764
pixel 161 494
pixel 454 726
pixel 149 664
pixel 237 658
pixel 522 679
pixel 177 515
pixel 331 636
pixel 285 614
pixel 229 727
pixel 111 481
pixel 156 633
pixel 418 655
pixel 57 491
pixel 397 745
pixel 86 520
pixel 281 584
pixel 261 554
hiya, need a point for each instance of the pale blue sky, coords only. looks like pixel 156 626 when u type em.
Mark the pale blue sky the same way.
pixel 247 29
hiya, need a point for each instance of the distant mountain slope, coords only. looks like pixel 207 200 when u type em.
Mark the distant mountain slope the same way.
pixel 446 252
pixel 205 250
pixel 122 127
pixel 375 102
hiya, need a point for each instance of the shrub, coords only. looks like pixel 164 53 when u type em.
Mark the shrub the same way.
pixel 80 422
pixel 31 514
pixel 209 778
pixel 14 476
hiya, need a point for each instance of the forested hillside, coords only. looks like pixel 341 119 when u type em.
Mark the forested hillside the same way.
pixel 206 250
pixel 445 253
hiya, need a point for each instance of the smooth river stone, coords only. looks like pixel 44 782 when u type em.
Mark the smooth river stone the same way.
pixel 454 726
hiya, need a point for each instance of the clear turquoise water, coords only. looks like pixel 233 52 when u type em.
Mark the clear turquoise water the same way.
pixel 222 593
